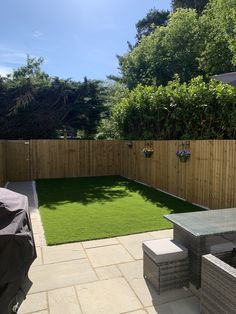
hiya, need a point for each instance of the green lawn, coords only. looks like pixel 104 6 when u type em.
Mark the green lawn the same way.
pixel 77 209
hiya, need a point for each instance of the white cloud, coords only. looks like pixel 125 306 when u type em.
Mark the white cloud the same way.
pixel 37 34
pixel 4 70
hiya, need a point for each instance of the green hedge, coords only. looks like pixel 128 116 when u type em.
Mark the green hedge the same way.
pixel 197 110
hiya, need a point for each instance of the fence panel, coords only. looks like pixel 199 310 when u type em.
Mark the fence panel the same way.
pixel 72 158
pixel 208 178
pixel 3 175
pixel 18 160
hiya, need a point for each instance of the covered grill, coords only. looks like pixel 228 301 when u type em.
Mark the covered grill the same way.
pixel 17 249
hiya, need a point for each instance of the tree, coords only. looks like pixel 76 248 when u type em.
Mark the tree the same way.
pixel 218 48
pixel 198 5
pixel 169 50
pixel 87 106
pixel 144 27
pixel 189 45
pixel 107 128
pixel 32 70
pixel 153 18
pixel 34 105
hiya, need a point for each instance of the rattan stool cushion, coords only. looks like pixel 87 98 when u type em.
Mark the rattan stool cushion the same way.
pixel 164 250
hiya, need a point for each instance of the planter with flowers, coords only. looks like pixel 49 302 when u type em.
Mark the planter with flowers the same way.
pixel 129 144
pixel 183 155
pixel 147 151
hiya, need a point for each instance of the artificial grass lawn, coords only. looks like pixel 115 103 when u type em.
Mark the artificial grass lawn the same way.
pixel 78 209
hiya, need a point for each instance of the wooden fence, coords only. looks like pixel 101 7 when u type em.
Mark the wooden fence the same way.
pixel 37 159
pixel 208 178
pixel 3 177
pixel 72 158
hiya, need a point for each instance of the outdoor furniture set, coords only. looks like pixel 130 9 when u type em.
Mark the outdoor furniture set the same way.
pixel 203 253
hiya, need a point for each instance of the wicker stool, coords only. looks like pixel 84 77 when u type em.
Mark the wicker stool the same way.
pixel 165 264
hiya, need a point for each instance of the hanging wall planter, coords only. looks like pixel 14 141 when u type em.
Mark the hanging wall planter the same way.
pixel 183 155
pixel 147 152
pixel 130 144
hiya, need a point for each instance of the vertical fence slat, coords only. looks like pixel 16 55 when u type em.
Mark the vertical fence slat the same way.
pixel 3 175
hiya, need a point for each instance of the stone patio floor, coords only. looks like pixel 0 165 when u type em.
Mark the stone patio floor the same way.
pixel 98 277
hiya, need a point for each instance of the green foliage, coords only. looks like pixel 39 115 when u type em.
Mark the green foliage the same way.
pixel 107 128
pixel 153 18
pixel 32 70
pixel 34 105
pixel 218 27
pixel 167 51
pixel 197 110
pixel 198 5
pixel 189 45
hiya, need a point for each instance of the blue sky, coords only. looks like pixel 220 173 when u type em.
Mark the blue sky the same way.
pixel 77 38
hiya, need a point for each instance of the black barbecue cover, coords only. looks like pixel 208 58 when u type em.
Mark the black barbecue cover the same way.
pixel 17 248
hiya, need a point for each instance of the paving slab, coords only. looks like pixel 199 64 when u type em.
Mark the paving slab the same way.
pixel 136 312
pixel 98 243
pixel 28 188
pixel 161 234
pixel 40 312
pixel 133 243
pixel 108 255
pixel 133 272
pixel 34 302
pixel 34 215
pixel 63 301
pixel 108 272
pixel 62 253
pixel 38 229
pixel 189 305
pixel 39 260
pixel 113 296
pixel 35 226
pixel 37 240
pixel 59 275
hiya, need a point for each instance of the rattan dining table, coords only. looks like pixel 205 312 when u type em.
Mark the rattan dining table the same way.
pixel 193 229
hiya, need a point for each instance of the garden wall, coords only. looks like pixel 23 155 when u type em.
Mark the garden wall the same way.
pixel 208 178
pixel 3 177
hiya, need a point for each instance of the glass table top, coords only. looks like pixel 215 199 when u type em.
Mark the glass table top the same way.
pixel 206 222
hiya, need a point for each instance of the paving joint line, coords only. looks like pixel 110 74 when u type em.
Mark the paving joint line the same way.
pixel 132 288
pixel 77 298
pixel 90 263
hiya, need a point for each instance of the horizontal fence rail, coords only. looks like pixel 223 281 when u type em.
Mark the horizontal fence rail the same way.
pixel 208 178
